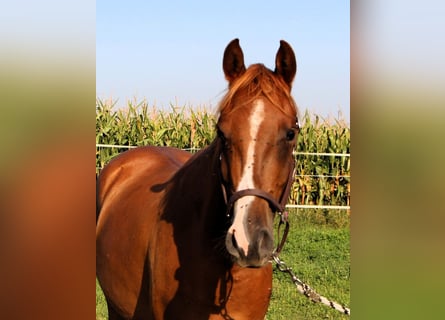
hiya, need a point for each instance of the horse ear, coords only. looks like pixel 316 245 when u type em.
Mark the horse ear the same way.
pixel 233 61
pixel 285 63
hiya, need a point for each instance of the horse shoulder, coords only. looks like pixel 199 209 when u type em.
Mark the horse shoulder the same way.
pixel 135 163
pixel 132 178
pixel 128 212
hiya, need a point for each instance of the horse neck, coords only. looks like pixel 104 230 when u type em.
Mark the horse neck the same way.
pixel 199 183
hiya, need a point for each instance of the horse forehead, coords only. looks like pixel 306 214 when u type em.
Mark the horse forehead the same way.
pixel 259 112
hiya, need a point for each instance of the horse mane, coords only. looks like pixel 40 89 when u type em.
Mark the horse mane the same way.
pixel 258 81
pixel 200 169
pixel 207 155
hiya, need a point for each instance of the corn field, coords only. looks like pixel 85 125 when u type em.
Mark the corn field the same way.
pixel 320 180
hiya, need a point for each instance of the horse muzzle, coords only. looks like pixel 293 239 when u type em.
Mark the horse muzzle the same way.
pixel 259 248
pixel 250 237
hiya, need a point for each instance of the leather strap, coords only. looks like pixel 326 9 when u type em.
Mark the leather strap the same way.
pixel 274 204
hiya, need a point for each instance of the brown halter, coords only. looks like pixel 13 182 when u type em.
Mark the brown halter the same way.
pixel 277 207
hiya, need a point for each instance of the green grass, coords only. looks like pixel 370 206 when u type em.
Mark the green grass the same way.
pixel 101 304
pixel 317 250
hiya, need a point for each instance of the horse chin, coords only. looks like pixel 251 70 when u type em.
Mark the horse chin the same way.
pixel 243 263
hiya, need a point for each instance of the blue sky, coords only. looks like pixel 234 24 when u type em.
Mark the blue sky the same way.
pixel 171 51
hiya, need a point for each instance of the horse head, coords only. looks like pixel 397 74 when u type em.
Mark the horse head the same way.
pixel 257 130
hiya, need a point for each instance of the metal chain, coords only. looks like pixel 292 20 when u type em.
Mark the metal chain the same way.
pixel 303 288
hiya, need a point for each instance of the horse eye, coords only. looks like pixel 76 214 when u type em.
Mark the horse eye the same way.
pixel 290 135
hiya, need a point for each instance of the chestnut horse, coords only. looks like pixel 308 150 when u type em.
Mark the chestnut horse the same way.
pixel 191 237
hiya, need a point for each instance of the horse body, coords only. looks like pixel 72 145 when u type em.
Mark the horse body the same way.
pixel 190 237
pixel 138 234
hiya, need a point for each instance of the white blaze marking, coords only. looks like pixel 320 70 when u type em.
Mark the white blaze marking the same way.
pixel 246 182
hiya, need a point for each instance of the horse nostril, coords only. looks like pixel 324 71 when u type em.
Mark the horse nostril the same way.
pixel 232 245
pixel 265 241
pixel 235 245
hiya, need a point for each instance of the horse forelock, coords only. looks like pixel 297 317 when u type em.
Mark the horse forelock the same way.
pixel 258 82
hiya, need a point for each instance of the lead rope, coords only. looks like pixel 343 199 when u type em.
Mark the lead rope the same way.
pixel 302 287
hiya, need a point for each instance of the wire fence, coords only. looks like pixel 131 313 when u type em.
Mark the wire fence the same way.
pixel 296 153
pixel 328 154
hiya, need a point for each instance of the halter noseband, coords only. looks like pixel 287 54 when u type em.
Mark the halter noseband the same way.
pixel 276 206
